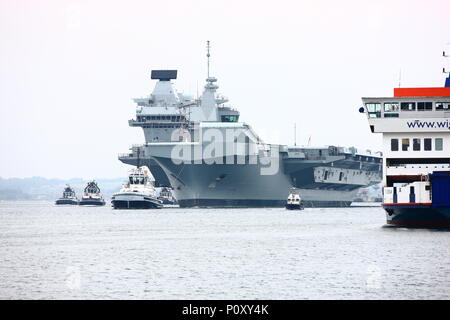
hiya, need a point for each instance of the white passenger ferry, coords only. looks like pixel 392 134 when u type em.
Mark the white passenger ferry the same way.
pixel 415 124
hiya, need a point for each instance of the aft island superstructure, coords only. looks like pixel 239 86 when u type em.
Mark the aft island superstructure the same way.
pixel 415 125
pixel 199 148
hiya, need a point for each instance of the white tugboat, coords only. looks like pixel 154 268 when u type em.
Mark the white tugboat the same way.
pixel 415 124
pixel 138 192
pixel 68 197
pixel 166 196
pixel 294 201
pixel 92 195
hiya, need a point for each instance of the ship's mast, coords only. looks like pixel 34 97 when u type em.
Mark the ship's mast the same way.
pixel 447 80
pixel 138 151
pixel 207 56
pixel 295 134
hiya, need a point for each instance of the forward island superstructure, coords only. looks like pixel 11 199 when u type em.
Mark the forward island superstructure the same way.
pixel 199 148
pixel 415 125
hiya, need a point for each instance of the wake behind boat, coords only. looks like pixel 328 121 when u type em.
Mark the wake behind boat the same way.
pixel 138 192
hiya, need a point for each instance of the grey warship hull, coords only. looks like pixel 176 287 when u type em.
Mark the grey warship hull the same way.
pixel 327 181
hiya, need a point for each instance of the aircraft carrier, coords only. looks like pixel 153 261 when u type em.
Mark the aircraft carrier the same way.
pixel 198 147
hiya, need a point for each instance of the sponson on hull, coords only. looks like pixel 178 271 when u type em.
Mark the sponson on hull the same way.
pixel 415 125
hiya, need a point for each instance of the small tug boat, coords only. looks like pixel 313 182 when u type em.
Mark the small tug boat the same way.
pixel 92 195
pixel 166 197
pixel 138 192
pixel 68 197
pixel 294 201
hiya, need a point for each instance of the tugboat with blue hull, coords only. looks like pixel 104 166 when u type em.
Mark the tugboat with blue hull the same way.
pixel 68 197
pixel 415 125
pixel 92 195
pixel 138 192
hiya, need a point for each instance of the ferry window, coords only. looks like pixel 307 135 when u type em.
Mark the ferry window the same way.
pixel 416 144
pixel 326 175
pixel 438 144
pixel 391 106
pixel 391 115
pixel 427 144
pixel 405 144
pixel 422 106
pixel 394 144
pixel 374 110
pixel 408 106
pixel 442 105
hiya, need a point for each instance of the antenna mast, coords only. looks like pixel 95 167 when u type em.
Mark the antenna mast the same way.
pixel 138 149
pixel 207 54
pixel 447 80
pixel 295 134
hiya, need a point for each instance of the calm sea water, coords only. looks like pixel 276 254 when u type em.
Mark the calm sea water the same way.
pixel 51 252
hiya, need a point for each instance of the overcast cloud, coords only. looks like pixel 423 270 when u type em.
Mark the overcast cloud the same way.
pixel 69 70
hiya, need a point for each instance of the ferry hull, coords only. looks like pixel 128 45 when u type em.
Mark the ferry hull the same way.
pixel 417 216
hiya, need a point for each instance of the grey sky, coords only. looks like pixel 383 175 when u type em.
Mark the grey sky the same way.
pixel 69 70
